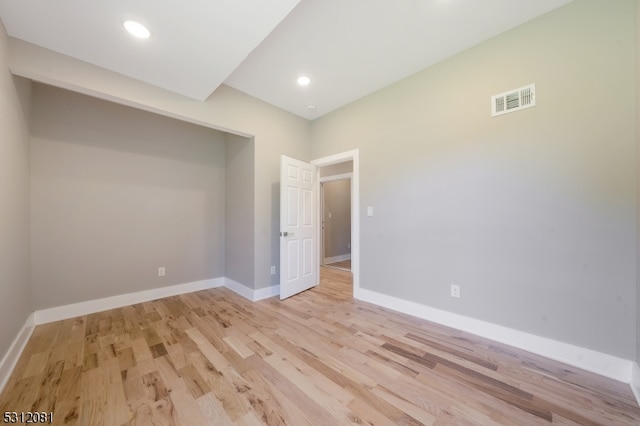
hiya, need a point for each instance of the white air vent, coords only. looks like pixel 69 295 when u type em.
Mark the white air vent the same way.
pixel 513 100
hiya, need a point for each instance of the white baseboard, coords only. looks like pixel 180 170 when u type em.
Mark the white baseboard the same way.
pixel 618 369
pixel 10 359
pixel 248 293
pixel 635 381
pixel 73 310
pixel 238 288
pixel 337 258
pixel 265 293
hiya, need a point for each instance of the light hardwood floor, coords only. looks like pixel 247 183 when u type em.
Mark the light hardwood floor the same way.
pixel 318 358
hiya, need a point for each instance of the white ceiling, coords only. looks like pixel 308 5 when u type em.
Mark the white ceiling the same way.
pixel 349 48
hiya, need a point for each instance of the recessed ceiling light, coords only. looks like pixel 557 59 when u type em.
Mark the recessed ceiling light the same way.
pixel 136 29
pixel 303 80
pixel 312 108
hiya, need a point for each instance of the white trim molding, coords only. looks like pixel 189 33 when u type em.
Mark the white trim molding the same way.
pixel 97 305
pixel 635 381
pixel 343 176
pixel 238 288
pixel 10 359
pixel 250 294
pixel 606 365
pixel 266 292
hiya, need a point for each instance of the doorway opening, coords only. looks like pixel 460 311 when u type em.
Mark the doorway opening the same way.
pixel 340 167
pixel 335 216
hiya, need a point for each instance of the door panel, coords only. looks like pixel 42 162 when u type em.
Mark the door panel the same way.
pixel 298 217
pixel 293 208
pixel 307 257
pixel 294 264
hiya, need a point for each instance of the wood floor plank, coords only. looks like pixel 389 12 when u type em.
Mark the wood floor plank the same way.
pixel 313 411
pixel 45 400
pixel 158 413
pixel 271 406
pixel 36 365
pixel 405 406
pixel 23 393
pixel 224 389
pixel 213 411
pixel 320 357
pixel 186 407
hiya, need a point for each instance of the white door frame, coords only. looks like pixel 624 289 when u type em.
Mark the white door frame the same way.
pixel 353 155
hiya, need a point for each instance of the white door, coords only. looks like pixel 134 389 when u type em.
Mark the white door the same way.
pixel 298 226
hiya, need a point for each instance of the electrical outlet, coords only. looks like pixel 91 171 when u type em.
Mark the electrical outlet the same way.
pixel 273 270
pixel 455 291
pixel 161 271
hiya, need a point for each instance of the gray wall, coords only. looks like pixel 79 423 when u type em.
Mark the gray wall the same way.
pixel 275 131
pixel 337 218
pixel 531 213
pixel 637 16
pixel 240 210
pixel 116 193
pixel 337 169
pixel 15 306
